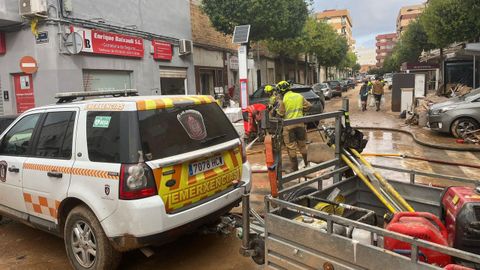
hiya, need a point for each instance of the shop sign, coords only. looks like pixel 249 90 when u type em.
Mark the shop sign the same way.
pixel 233 62
pixel 99 42
pixel 3 47
pixel 162 50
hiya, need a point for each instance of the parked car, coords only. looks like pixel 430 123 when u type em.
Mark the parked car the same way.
pixel 344 85
pixel 350 83
pixel 115 174
pixel 5 121
pixel 318 101
pixel 335 85
pixel 388 78
pixel 457 116
pixel 326 90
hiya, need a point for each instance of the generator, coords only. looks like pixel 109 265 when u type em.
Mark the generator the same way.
pixel 421 225
pixel 461 216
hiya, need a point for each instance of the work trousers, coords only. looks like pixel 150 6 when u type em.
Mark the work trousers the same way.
pixel 294 136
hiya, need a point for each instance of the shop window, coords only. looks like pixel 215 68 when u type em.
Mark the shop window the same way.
pixel 173 86
pixel 96 80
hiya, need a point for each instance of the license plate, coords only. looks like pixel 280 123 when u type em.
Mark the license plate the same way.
pixel 205 165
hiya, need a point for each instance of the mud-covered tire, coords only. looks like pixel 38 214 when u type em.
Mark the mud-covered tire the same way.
pixel 463 125
pixel 258 244
pixel 83 232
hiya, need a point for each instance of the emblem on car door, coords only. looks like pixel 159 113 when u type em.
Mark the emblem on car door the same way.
pixel 3 170
pixel 107 190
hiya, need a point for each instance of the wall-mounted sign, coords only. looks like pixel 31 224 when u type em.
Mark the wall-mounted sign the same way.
pixel 233 62
pixel 162 50
pixel 3 43
pixel 99 42
pixel 28 65
pixel 42 37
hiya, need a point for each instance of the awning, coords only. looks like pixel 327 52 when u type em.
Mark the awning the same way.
pixel 173 73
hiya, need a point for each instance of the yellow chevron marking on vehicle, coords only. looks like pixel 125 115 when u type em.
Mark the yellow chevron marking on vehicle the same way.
pixel 69 170
pixel 163 103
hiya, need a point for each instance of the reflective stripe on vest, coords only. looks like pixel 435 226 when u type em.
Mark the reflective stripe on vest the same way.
pixel 293 105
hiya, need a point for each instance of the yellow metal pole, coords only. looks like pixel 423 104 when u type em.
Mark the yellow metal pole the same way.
pixel 384 182
pixel 368 184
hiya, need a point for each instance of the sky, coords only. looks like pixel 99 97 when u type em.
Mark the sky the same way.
pixel 370 17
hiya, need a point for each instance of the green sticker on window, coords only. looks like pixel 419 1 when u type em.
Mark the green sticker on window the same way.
pixel 102 121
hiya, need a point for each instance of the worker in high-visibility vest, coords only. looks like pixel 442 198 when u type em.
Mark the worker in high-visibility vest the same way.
pixel 272 92
pixel 292 106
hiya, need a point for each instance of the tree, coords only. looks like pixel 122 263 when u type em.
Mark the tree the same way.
pixel 270 19
pixel 412 43
pixel 450 21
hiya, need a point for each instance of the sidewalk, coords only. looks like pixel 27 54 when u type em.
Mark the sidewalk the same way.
pixel 388 120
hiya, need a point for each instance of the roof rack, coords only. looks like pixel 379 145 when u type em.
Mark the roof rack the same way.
pixel 67 97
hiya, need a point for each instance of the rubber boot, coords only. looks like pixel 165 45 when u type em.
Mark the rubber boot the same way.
pixel 294 162
pixel 378 106
pixel 305 159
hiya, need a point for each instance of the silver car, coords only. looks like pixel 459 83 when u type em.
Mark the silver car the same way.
pixel 458 116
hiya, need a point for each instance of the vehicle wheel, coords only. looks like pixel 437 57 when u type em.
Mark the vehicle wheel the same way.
pixel 463 125
pixel 86 243
pixel 258 244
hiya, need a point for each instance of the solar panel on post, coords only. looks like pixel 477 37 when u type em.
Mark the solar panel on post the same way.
pixel 241 34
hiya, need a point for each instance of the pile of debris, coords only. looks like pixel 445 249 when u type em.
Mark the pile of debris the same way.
pixel 455 90
pixel 419 114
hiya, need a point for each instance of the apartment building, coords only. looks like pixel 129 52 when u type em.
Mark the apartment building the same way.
pixel 406 15
pixel 384 47
pixel 341 21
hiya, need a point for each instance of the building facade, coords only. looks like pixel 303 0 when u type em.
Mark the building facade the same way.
pixel 384 47
pixel 406 15
pixel 88 45
pixel 341 21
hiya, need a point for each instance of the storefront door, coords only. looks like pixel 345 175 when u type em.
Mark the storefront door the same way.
pixel 24 96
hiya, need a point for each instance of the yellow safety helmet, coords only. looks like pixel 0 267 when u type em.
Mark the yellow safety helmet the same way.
pixel 269 89
pixel 283 86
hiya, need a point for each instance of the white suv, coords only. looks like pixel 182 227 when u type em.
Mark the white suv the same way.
pixel 115 174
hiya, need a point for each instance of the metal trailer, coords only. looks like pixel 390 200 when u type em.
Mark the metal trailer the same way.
pixel 283 243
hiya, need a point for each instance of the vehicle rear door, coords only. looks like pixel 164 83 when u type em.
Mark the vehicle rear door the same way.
pixel 15 146
pixel 48 171
pixel 194 151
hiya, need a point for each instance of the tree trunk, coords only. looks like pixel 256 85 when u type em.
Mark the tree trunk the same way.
pixel 326 73
pixel 306 69
pixel 282 60
pixel 296 69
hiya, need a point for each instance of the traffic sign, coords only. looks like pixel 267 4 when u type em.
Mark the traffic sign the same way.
pixel 28 65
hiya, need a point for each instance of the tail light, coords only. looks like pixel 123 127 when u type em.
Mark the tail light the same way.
pixel 136 182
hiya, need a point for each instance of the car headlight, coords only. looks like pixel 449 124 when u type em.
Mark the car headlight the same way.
pixel 443 110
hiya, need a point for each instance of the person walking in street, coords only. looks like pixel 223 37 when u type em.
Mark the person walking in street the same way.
pixel 292 106
pixel 364 90
pixel 378 92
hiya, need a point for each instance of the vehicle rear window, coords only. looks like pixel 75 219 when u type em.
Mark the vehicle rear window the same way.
pixel 112 137
pixel 163 135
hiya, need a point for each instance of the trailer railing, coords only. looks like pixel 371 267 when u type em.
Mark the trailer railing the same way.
pixel 273 205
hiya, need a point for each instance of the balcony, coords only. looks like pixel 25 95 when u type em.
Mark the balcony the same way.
pixel 9 14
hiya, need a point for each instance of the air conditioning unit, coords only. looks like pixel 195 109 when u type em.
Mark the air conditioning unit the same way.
pixel 33 7
pixel 186 47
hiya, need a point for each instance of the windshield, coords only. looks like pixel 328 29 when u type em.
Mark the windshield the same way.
pixel 174 131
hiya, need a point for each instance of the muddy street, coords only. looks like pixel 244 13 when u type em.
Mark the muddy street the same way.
pixel 26 248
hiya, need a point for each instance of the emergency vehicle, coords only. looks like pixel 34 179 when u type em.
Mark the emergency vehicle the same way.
pixel 115 174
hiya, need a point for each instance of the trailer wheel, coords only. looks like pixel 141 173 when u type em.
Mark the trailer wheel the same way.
pixel 258 245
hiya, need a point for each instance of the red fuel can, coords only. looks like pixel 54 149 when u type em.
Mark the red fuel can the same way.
pixel 420 225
